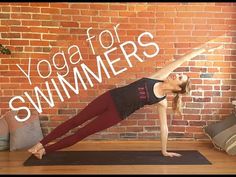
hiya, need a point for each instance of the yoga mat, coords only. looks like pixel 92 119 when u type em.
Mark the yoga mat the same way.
pixel 189 157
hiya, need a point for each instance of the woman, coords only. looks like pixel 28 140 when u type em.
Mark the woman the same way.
pixel 117 104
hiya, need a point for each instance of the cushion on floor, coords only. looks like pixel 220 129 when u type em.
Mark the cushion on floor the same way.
pixel 222 134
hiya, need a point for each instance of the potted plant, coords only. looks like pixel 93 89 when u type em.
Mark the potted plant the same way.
pixel 4 50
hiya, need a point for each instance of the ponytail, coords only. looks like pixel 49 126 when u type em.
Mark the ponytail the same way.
pixel 177 104
pixel 177 101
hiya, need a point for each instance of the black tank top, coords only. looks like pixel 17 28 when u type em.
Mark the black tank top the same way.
pixel 134 96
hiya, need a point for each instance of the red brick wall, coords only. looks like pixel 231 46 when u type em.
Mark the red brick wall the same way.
pixel 39 30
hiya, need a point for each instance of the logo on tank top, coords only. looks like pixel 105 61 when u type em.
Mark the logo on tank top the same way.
pixel 143 93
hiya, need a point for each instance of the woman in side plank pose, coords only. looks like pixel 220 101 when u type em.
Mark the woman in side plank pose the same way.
pixel 117 104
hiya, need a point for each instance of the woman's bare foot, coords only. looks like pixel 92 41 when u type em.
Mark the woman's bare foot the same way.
pixel 35 148
pixel 39 154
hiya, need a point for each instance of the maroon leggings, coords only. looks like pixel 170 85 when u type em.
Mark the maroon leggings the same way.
pixel 103 108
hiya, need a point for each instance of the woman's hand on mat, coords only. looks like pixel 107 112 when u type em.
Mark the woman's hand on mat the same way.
pixel 171 154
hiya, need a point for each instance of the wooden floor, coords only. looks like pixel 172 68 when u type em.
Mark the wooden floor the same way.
pixel 12 162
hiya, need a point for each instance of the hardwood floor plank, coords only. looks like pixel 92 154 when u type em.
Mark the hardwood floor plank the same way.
pixel 12 162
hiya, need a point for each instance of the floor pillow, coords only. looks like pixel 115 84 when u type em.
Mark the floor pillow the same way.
pixel 222 133
pixel 24 135
pixel 4 133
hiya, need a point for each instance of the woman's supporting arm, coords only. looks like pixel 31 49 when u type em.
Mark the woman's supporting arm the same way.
pixel 164 129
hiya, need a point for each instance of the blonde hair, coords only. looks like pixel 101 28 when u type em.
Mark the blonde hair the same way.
pixel 177 101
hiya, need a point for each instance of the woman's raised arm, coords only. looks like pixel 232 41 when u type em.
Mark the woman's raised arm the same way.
pixel 164 72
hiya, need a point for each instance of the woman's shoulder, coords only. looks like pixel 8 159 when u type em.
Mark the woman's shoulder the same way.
pixel 163 103
pixel 153 79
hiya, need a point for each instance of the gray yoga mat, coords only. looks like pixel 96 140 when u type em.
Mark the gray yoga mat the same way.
pixel 189 157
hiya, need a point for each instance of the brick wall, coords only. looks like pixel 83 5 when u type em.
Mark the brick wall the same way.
pixel 39 30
